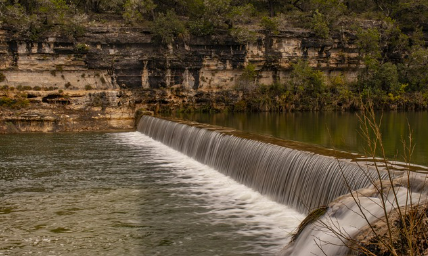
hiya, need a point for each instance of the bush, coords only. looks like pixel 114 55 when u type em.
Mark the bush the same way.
pixel 306 81
pixel 270 25
pixel 247 80
pixel 167 27
pixel 67 85
pixel 242 14
pixel 81 48
pixel 243 35
pixel 134 11
pixel 320 25
pixel 200 27
pixel 88 87
pixel 2 77
pixel 17 103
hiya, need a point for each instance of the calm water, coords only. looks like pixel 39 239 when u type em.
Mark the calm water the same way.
pixel 331 129
pixel 125 194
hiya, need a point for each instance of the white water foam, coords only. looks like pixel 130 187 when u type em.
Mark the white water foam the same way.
pixel 230 201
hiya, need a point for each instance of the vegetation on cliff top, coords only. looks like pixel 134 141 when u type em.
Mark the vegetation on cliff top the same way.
pixel 205 17
pixel 391 36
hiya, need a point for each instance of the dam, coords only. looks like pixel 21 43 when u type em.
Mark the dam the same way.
pixel 300 179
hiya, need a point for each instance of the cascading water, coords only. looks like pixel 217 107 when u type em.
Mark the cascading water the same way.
pixel 300 179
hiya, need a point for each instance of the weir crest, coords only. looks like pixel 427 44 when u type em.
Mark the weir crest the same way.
pixel 299 179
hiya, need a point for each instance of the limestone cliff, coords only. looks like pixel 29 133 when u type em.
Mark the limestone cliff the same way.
pixel 125 66
pixel 110 56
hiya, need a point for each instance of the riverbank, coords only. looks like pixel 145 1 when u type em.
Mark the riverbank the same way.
pixel 49 109
pixel 65 111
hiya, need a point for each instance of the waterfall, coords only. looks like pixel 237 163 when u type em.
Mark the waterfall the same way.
pixel 300 179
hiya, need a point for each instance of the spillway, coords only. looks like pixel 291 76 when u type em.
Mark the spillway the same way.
pixel 300 179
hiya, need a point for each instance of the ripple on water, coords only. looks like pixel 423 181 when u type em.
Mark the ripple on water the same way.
pixel 125 194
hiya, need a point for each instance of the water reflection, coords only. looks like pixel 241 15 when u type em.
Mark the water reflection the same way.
pixel 331 129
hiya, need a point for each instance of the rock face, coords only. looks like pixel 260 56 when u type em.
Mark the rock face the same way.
pixel 108 57
pixel 71 110
pixel 61 74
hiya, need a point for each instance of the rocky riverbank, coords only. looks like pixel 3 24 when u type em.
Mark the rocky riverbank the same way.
pixel 63 111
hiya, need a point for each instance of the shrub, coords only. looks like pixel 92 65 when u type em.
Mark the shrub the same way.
pixel 88 87
pixel 304 80
pixel 250 72
pixel 17 103
pixel 37 88
pixel 242 14
pixel 243 35
pixel 67 85
pixel 168 26
pixel 240 106
pixel 134 11
pixel 320 25
pixel 247 80
pixel 81 48
pixel 2 77
pixel 270 25
pixel 200 27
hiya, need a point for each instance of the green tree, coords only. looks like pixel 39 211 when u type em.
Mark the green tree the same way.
pixel 242 14
pixel 306 81
pixel 167 27
pixel 16 16
pixel 368 42
pixel 379 78
pixel 213 17
pixel 243 35
pixel 54 11
pixel 271 25
pixel 326 15
pixel 320 25
pixel 414 69
pixel 248 79
pixel 410 14
pixel 138 10
pixel 216 12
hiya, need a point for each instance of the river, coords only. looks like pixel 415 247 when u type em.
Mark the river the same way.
pixel 339 130
pixel 125 194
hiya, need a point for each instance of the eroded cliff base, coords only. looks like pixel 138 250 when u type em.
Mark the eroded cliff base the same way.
pixel 64 111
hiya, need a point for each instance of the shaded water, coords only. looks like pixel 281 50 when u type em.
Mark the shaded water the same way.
pixel 330 129
pixel 125 194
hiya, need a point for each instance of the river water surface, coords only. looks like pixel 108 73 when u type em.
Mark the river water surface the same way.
pixel 125 194
pixel 339 130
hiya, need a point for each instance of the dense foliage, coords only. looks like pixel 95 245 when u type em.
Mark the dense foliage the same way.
pixel 392 47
